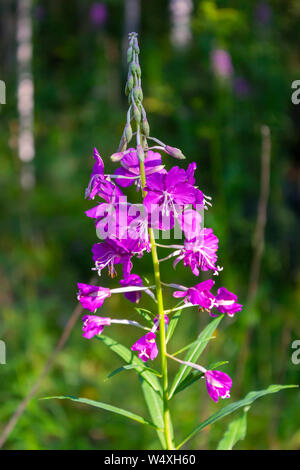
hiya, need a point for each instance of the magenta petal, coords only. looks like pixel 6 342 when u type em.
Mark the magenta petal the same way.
pixel 124 182
pixel 218 384
pixel 190 223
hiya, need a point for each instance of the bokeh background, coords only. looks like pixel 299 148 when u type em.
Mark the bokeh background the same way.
pixel 214 73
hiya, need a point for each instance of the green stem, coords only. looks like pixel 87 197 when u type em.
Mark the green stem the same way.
pixel 162 331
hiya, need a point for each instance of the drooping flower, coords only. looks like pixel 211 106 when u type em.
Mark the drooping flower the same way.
pixel 114 251
pixel 99 184
pixel 92 297
pixel 97 174
pixel 146 347
pixel 130 167
pixel 198 295
pixel 218 384
pixel 226 302
pixel 167 196
pixel 93 325
pixel 132 280
pixel 200 252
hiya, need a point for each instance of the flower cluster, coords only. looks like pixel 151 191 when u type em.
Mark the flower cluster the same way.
pixel 169 198
pixel 200 294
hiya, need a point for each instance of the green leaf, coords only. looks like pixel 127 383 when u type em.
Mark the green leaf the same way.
pixel 105 406
pixel 235 432
pixel 247 401
pixel 172 325
pixel 189 380
pixel 194 376
pixel 194 353
pixel 138 367
pixel 188 346
pixel 146 314
pixel 155 406
pixel 131 358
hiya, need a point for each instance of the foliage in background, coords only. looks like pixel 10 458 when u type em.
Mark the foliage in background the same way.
pixel 44 237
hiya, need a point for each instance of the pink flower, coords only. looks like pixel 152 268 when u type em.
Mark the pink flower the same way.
pixel 225 302
pixel 156 319
pixel 218 384
pixel 113 251
pixel 200 252
pixel 168 194
pixel 92 297
pixel 132 280
pixel 93 325
pixel 130 167
pixel 156 322
pixel 198 295
pixel 146 347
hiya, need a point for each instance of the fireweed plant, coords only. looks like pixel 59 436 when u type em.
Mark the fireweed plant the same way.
pixel 169 199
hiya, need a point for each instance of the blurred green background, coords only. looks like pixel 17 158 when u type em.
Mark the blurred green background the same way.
pixel 213 73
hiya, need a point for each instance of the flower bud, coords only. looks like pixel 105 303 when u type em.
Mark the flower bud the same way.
pixel 174 152
pixel 129 55
pixel 136 93
pixel 136 46
pixel 133 68
pixel 116 157
pixel 136 114
pixel 145 127
pixel 123 144
pixel 130 83
pixel 128 132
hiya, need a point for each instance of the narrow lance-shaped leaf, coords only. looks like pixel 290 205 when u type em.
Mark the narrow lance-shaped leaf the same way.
pixel 138 367
pixel 235 432
pixel 155 406
pixel 247 401
pixel 194 353
pixel 146 314
pixel 105 406
pixel 131 358
pixel 194 376
pixel 172 325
